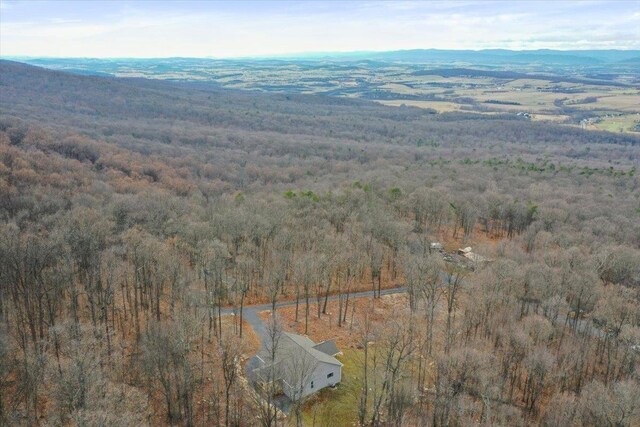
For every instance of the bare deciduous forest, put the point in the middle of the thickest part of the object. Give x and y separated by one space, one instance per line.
135 212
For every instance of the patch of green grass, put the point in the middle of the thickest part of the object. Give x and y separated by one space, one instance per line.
337 406
624 123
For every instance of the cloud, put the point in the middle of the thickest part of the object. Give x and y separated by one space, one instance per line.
157 29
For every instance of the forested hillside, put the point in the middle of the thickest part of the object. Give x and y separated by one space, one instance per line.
132 211
595 90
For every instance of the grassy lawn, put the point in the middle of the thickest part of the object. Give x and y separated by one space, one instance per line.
337 406
440 106
624 123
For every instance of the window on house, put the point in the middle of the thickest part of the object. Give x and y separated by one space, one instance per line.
330 375
311 384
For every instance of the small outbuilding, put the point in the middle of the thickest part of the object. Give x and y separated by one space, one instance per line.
436 246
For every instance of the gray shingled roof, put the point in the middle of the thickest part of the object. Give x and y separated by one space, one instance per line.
327 347
310 347
290 344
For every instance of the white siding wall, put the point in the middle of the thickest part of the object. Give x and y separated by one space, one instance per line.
320 380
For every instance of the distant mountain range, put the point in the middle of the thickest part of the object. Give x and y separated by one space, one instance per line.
489 56
419 56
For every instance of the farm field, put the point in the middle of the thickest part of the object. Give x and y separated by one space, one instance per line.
565 95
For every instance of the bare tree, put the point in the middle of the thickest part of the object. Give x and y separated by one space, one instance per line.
538 366
268 410
366 337
423 274
395 345
616 406
304 276
229 359
168 368
453 282
7 367
214 258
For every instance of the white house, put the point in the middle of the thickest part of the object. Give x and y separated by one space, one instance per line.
300 366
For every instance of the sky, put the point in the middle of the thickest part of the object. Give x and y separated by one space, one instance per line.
142 29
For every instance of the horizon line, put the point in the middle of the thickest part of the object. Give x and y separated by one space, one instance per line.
311 54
